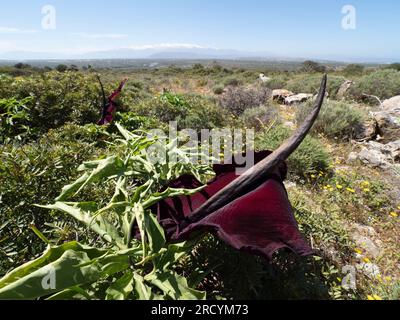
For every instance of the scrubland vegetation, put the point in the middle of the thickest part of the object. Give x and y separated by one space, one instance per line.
48 139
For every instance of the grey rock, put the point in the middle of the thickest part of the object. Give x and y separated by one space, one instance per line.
367 244
264 78
392 104
298 98
349 280
364 230
373 158
366 131
371 270
280 95
353 157
343 89
388 118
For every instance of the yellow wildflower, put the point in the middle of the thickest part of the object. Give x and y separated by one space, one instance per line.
357 250
376 297
366 260
366 190
394 214
339 186
351 190
388 279
370 297
313 176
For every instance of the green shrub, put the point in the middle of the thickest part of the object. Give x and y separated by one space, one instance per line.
234 82
394 66
132 122
14 118
311 84
189 111
310 157
312 66
34 173
6 86
111 263
237 100
382 83
276 83
218 90
337 119
60 98
353 69
260 117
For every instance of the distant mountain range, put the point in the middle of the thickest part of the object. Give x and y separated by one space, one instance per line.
146 52
177 52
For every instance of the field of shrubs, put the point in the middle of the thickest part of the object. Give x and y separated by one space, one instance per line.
51 149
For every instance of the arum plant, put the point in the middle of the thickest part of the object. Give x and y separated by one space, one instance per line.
116 265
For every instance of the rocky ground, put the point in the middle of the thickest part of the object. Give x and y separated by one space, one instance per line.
374 234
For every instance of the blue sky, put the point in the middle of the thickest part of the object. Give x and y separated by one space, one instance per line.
309 28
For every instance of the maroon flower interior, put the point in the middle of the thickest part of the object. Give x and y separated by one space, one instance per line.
260 221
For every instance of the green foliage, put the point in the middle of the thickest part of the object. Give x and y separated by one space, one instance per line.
218 90
14 118
312 67
353 69
62 68
6 86
126 267
132 122
59 98
337 119
276 82
311 83
394 66
238 100
381 83
260 117
191 111
234 82
310 157
33 173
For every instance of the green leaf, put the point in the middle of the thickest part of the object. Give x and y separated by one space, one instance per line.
106 168
169 193
121 288
155 233
174 286
143 292
140 219
70 189
125 133
98 224
75 293
60 268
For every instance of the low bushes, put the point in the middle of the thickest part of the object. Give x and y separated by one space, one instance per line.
34 173
260 117
382 83
311 83
59 98
336 120
310 157
238 100
189 111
